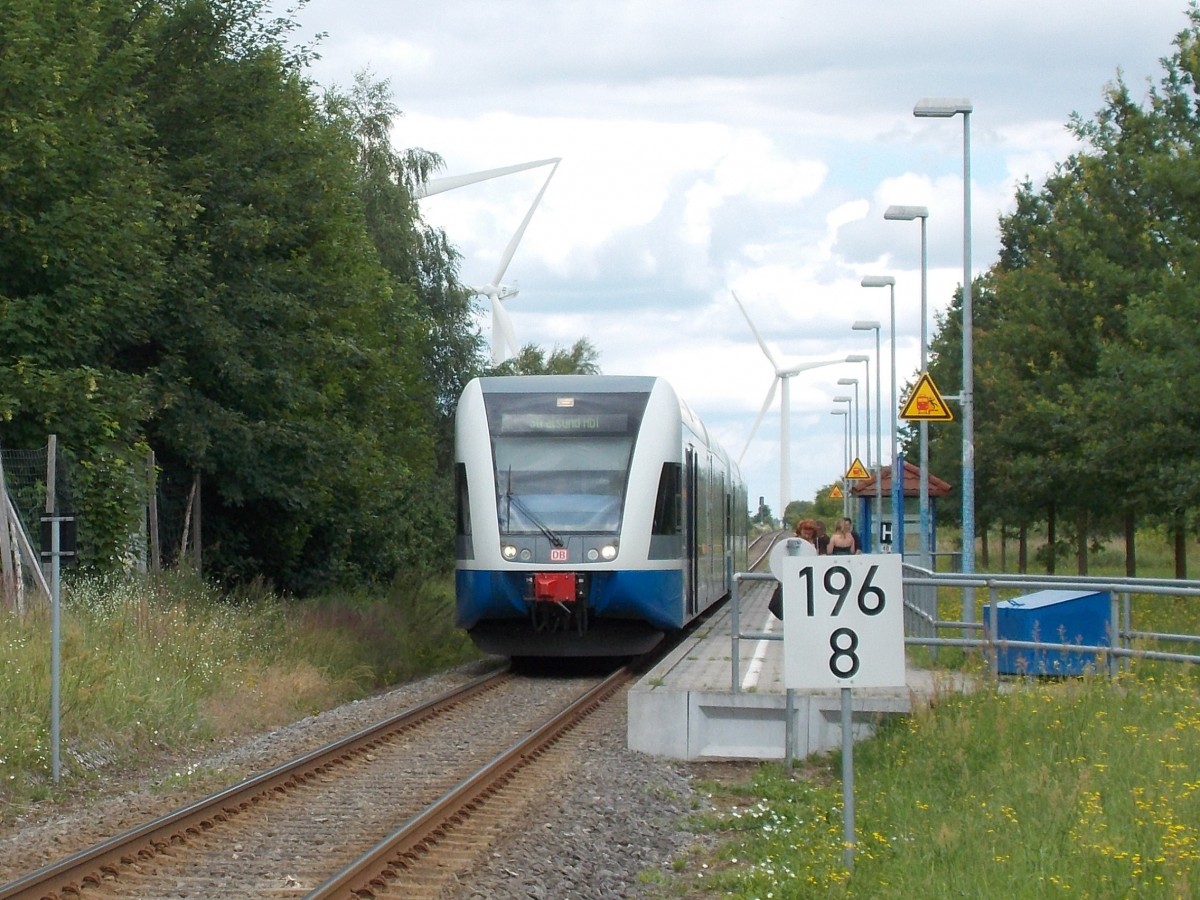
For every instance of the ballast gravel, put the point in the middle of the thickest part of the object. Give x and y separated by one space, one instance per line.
614 827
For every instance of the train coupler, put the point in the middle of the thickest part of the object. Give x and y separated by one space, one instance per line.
558 600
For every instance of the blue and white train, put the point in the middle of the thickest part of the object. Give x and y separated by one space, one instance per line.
594 515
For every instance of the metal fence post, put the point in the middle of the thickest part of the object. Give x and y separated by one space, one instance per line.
736 625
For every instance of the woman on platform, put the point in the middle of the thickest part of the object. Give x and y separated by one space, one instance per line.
841 542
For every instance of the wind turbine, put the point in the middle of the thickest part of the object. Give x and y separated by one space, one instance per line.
503 334
782 377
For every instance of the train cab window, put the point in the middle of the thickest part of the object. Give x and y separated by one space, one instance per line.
562 467
667 519
568 484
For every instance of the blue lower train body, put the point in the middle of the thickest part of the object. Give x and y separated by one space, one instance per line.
628 612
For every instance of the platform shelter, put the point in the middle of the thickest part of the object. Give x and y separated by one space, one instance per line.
903 530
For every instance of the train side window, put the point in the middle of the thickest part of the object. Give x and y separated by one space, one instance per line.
462 504
667 507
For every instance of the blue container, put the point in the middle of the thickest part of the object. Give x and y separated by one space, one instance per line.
1082 618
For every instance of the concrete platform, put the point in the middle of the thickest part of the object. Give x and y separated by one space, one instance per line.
686 707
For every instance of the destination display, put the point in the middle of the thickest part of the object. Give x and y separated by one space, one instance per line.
564 423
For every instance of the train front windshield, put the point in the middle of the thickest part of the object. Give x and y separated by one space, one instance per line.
562 462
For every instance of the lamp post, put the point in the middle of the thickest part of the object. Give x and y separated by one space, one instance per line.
846 382
864 358
872 325
945 108
846 464
897 480
908 213
845 448
849 401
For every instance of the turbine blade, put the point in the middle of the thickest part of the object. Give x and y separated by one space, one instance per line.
762 412
511 249
758 337
804 367
440 185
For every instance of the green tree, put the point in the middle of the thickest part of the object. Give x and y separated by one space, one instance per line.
1075 375
422 265
825 506
1146 379
273 330
84 236
580 359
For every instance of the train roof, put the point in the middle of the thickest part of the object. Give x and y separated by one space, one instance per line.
603 384
598 384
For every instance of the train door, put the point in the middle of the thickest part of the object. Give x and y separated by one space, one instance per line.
708 530
691 554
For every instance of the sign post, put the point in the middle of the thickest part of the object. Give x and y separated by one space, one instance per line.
843 627
57 542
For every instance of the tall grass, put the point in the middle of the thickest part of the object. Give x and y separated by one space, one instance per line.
1079 788
151 665
1083 787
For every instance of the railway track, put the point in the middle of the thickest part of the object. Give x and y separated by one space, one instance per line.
397 809
760 548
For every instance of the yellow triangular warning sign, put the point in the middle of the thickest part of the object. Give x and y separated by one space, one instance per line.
857 471
836 493
925 403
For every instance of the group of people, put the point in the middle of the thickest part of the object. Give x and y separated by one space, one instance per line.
843 542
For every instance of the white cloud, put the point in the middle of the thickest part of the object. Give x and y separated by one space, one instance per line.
709 146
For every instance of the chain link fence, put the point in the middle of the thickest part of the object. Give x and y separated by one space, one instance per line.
38 482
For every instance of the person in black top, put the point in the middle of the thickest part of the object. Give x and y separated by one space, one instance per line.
854 534
822 538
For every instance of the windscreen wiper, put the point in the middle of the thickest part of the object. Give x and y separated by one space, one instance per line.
513 500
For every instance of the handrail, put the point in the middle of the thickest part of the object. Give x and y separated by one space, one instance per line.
983 635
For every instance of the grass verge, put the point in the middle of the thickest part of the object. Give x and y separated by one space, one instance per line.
151 665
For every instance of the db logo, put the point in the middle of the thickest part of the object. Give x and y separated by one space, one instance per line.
558 554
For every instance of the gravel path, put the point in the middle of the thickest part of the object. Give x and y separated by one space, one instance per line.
611 829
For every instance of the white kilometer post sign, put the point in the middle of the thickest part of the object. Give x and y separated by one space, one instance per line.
843 627
843 618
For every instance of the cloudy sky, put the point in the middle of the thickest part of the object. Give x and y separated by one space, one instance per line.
713 147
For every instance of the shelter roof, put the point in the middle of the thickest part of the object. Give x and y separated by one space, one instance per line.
912 484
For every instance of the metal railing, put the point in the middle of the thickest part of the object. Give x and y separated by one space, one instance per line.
923 627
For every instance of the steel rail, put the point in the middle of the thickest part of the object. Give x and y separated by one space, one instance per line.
68 876
772 538
370 873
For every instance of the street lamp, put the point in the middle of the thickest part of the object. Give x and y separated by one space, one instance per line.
845 382
845 448
850 429
945 108
897 482
848 400
862 325
908 213
864 358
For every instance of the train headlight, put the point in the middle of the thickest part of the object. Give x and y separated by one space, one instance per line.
508 551
609 551
593 555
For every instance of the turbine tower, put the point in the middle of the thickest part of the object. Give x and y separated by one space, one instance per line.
503 335
782 378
